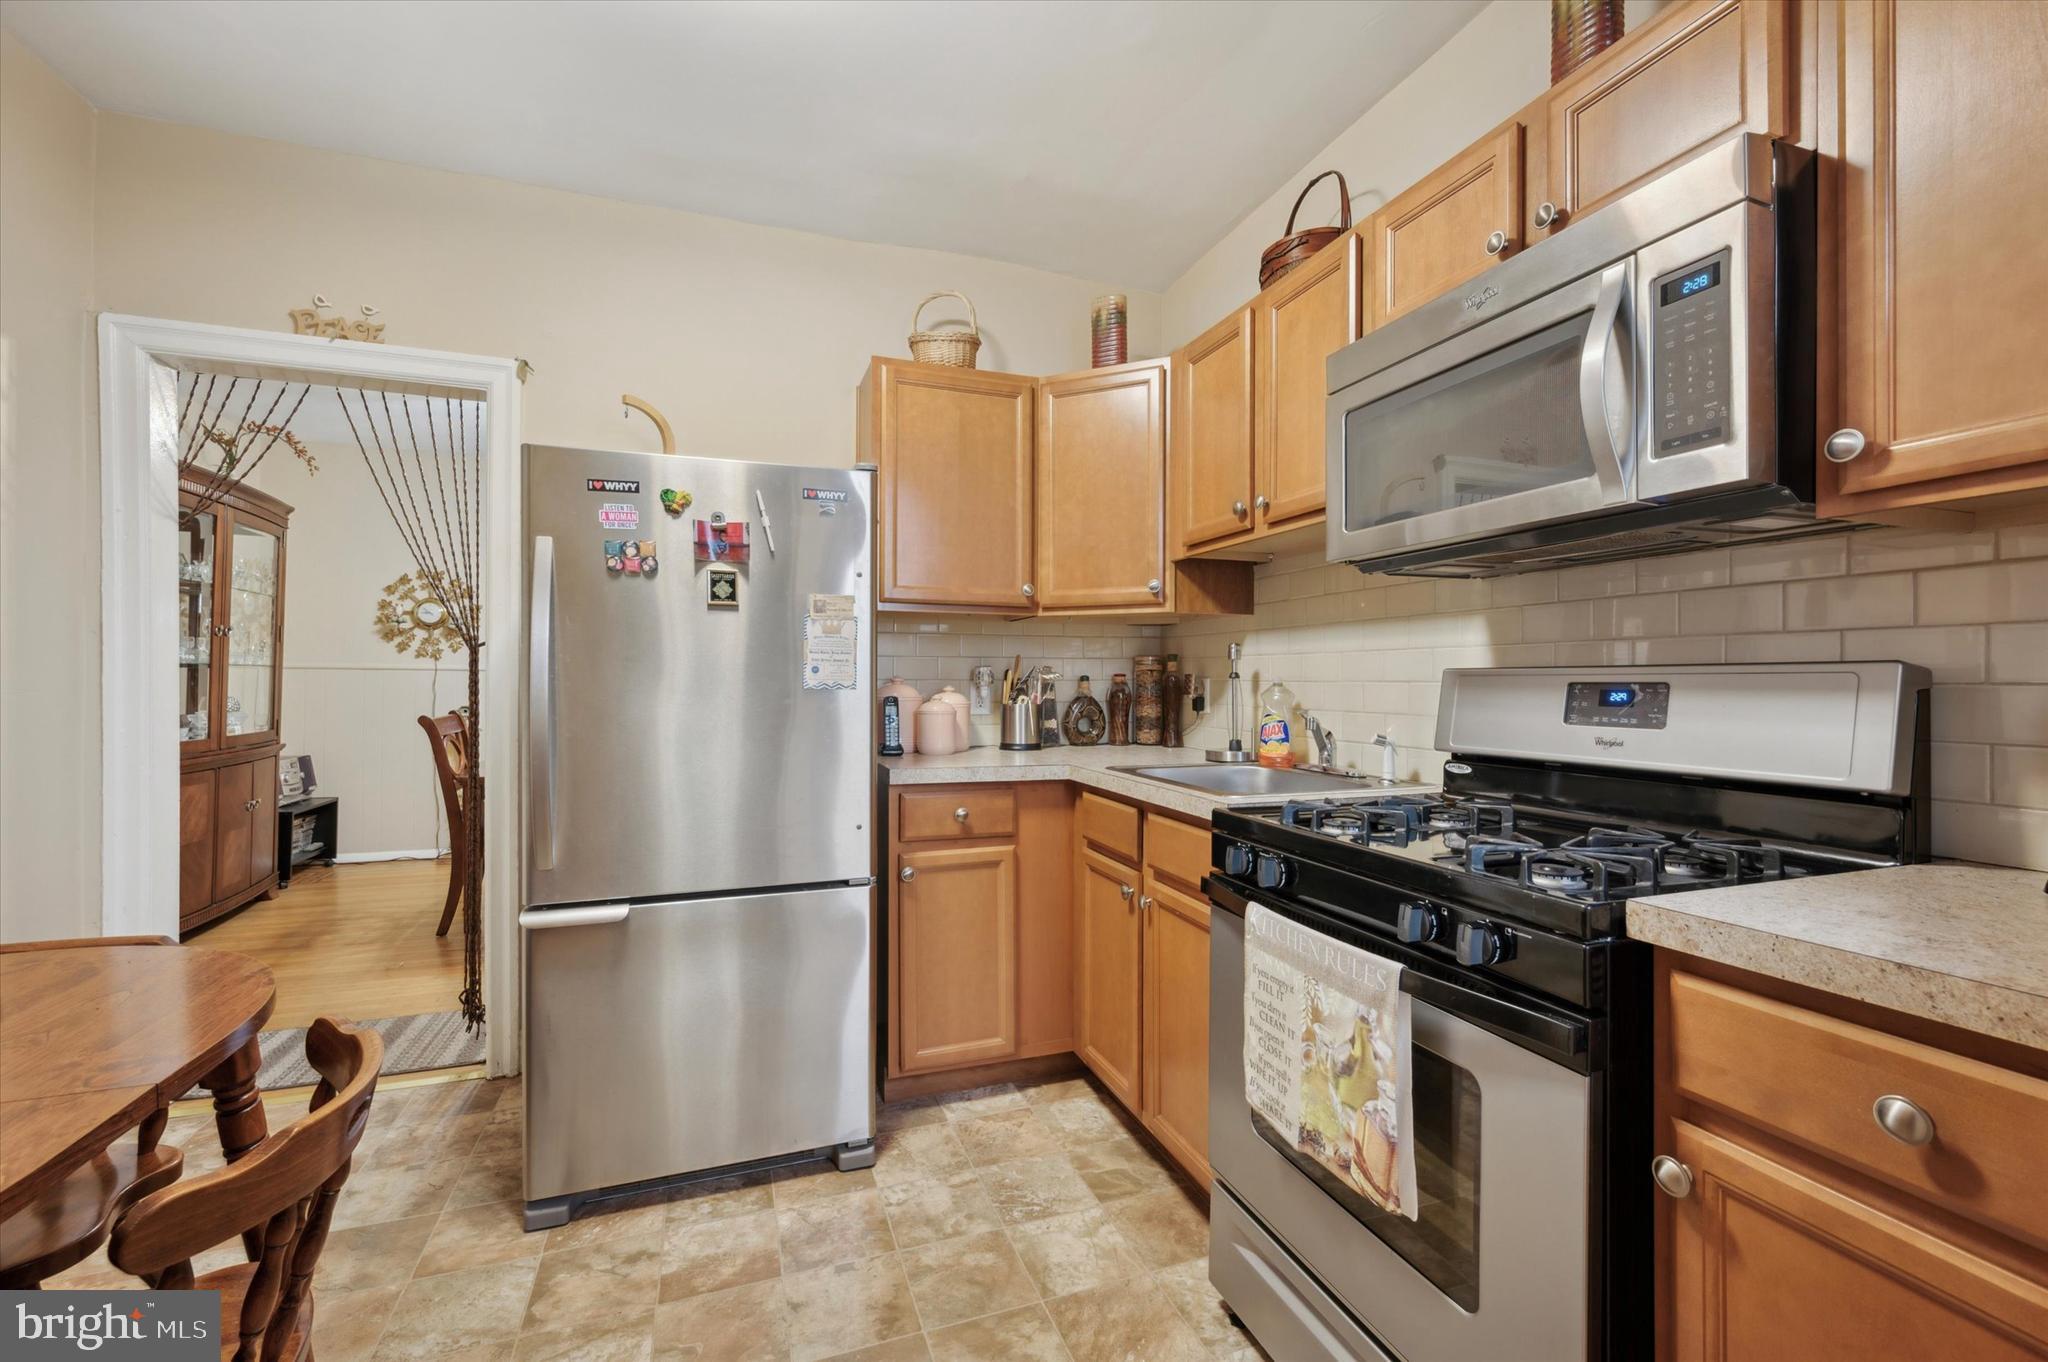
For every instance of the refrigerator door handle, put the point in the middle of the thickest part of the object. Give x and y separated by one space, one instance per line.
540 707
596 915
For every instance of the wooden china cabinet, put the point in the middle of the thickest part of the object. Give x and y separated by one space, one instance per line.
230 646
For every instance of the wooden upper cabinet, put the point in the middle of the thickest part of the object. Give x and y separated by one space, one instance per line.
1301 319
1769 1263
954 496
956 977
1699 72
1212 432
1449 226
1937 116
1102 487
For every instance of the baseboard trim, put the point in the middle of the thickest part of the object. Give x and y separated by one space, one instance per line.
362 857
1041 1069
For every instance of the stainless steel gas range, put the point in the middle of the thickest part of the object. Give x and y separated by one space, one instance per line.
1569 792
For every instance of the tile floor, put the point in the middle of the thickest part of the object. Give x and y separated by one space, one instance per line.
1011 1222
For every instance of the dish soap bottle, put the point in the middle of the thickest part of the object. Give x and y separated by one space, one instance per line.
1276 726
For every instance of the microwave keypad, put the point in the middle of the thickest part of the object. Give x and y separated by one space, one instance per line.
1691 365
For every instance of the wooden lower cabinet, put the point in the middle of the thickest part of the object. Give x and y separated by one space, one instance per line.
1109 974
227 837
957 946
1793 1224
195 843
1176 1058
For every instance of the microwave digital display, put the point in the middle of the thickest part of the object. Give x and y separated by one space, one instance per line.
1694 281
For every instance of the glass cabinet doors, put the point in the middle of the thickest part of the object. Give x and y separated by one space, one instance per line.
196 631
230 612
252 586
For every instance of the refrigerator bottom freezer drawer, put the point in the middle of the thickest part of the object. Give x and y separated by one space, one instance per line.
696 1034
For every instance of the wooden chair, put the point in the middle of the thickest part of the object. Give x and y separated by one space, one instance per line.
448 736
67 1225
284 1189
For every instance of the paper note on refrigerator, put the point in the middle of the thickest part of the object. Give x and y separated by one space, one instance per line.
831 659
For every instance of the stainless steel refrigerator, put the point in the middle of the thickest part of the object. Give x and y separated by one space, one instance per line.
697 788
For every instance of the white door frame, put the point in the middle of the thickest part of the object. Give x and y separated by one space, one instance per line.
139 568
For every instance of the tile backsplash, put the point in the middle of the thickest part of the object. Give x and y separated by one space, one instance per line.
930 651
1364 654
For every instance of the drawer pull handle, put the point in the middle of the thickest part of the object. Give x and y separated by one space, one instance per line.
960 814
1903 1120
1673 1178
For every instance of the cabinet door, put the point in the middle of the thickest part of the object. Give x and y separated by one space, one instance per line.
955 493
263 821
1437 234
199 636
1302 319
1698 73
1944 283
1767 1263
1212 432
1177 1024
195 841
1101 453
1110 982
956 956
233 823
252 595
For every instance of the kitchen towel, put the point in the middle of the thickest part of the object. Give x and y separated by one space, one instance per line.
1328 1055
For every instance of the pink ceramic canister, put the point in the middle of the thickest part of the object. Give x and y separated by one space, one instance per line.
938 728
907 701
960 704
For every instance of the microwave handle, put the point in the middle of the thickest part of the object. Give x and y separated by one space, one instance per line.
1607 343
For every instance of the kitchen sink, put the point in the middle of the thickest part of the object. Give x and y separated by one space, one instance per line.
1248 779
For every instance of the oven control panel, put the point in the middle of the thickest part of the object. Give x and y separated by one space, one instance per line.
1617 704
1690 368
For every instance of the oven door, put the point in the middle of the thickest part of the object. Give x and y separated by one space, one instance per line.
1522 420
1499 1262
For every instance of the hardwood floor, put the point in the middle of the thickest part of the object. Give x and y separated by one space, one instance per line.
353 941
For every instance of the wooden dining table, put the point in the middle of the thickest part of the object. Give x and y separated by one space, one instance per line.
95 1040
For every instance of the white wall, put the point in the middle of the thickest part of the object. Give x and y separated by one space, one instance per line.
49 502
1490 68
351 701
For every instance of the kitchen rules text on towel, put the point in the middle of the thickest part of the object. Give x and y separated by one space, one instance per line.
1328 1057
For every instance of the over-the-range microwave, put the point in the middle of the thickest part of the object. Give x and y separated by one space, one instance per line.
1640 383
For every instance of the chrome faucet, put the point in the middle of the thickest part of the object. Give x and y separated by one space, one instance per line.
1325 741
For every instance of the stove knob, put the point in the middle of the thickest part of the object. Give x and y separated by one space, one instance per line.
1237 860
1274 873
1482 943
1417 921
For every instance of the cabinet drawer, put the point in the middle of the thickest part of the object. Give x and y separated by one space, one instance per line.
1177 852
1110 827
1814 1079
956 813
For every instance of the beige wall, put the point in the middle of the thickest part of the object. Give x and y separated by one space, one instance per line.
750 339
1490 68
49 502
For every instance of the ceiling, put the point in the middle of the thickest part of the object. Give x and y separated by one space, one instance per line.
1112 141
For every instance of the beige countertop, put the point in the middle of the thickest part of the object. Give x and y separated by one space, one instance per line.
1089 767
1956 943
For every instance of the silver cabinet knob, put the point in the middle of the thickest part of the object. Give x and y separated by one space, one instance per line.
1153 586
1844 445
1673 1178
1029 591
1237 508
1125 890
1145 902
1546 213
960 814
909 874
1903 1120
1260 503
1496 243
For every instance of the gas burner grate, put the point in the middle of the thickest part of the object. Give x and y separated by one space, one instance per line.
1498 855
1587 873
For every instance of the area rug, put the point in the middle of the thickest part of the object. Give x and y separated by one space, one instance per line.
427 1040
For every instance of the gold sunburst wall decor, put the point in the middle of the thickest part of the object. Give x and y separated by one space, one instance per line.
412 616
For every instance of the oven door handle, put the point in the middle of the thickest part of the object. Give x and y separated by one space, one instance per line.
1608 344
1564 1037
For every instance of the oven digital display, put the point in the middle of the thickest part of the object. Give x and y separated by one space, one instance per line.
1697 281
1617 704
